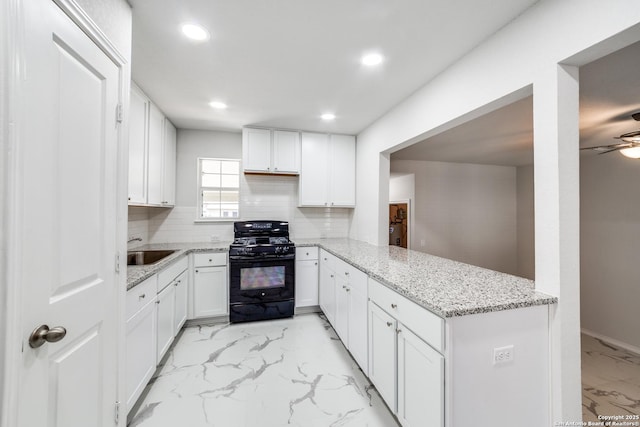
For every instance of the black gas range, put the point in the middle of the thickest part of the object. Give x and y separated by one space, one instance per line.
261 271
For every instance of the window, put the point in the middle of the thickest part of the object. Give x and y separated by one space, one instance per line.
218 189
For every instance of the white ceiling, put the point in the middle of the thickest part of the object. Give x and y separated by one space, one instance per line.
282 63
609 94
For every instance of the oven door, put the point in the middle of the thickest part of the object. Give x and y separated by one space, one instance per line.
261 279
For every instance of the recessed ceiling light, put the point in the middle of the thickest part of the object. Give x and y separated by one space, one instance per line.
328 116
195 32
218 105
371 59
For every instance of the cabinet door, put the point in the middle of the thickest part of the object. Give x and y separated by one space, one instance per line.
313 185
341 316
358 320
382 354
306 283
164 312
155 151
138 120
342 175
169 165
256 150
180 315
286 152
210 292
327 293
140 351
420 381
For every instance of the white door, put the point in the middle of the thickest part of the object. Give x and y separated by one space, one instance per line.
169 165
155 150
314 167
286 151
343 171
382 354
181 301
210 292
358 305
138 121
165 311
67 226
327 293
420 381
306 283
256 150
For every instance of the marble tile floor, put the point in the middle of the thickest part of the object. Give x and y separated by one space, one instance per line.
288 372
610 380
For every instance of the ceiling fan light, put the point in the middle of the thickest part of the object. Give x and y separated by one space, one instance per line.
631 152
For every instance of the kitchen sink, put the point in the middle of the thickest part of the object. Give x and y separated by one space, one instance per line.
146 257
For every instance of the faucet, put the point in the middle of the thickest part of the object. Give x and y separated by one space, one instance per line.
139 239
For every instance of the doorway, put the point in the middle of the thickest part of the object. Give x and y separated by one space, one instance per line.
399 224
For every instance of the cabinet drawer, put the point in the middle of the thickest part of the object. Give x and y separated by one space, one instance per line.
421 321
172 271
306 253
209 259
327 260
138 297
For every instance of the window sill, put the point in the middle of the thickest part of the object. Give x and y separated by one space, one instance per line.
214 221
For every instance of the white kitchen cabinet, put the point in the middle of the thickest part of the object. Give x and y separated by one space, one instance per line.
327 287
210 292
152 153
169 164
358 318
138 120
327 170
407 371
155 155
306 277
270 151
382 354
165 314
420 381
181 301
140 338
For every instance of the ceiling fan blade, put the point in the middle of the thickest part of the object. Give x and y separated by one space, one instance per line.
610 150
618 146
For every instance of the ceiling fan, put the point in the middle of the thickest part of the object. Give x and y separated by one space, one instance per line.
629 147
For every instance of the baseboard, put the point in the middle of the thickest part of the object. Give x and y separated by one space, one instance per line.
207 321
612 341
306 310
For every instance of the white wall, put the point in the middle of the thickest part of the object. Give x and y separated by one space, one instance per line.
262 197
521 58
609 246
465 212
525 222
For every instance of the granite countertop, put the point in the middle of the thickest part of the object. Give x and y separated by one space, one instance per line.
445 287
138 273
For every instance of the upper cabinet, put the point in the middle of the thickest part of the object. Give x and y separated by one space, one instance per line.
327 170
152 153
270 151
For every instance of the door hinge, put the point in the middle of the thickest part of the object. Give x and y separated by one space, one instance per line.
117 412
117 262
119 113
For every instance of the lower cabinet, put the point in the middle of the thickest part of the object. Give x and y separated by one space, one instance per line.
420 381
181 300
210 292
165 313
141 338
343 299
406 370
327 287
306 277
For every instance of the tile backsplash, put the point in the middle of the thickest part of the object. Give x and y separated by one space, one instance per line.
262 197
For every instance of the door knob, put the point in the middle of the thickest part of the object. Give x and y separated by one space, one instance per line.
43 334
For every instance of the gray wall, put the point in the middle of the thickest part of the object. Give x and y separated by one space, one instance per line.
526 222
610 246
465 212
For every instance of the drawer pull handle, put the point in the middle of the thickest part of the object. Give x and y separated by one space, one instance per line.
398 331
346 273
348 289
315 263
210 260
142 296
344 286
307 253
389 324
394 305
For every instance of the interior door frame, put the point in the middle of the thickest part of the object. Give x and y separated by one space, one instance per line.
12 14
409 217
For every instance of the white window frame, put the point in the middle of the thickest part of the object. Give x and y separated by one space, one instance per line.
200 189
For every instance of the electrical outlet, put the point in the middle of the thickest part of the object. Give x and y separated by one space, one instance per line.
503 355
